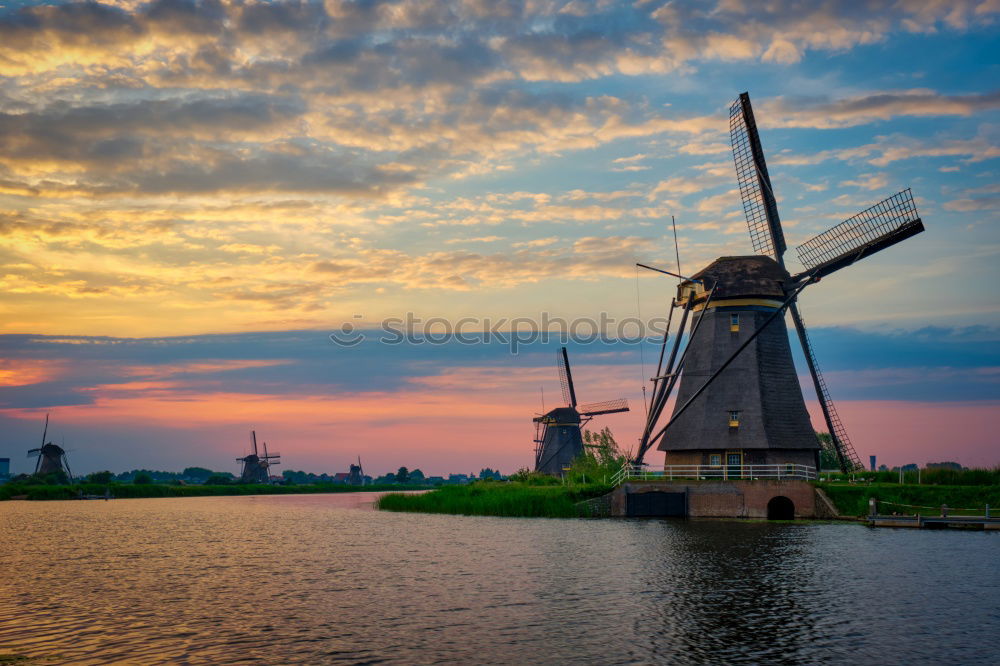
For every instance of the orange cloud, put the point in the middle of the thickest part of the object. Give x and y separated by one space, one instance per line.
24 372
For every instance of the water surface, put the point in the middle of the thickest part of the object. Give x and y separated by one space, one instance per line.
322 579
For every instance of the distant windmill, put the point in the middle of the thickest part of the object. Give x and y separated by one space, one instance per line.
50 458
356 477
558 439
739 400
256 467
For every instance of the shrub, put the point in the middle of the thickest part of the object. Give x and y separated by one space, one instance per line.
100 477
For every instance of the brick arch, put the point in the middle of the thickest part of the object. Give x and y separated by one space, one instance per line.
780 508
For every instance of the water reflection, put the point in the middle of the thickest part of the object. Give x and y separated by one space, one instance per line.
312 579
737 591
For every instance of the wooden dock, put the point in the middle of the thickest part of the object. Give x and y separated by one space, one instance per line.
937 522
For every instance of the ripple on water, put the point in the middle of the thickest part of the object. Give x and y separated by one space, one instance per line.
312 579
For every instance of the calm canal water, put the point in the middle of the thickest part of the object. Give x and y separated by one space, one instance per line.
324 579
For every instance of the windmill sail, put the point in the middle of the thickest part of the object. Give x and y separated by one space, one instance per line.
874 229
759 205
65 465
847 457
566 378
606 407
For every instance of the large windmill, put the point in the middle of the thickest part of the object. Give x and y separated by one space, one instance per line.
739 401
256 467
50 457
558 439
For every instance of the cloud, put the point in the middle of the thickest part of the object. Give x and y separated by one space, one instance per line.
896 147
202 164
480 239
868 181
718 203
974 204
538 242
861 364
101 137
825 113
634 158
901 148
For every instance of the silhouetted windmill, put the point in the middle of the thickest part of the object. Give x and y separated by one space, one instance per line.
256 467
558 439
50 458
739 400
356 477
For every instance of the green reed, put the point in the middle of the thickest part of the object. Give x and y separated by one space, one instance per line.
498 499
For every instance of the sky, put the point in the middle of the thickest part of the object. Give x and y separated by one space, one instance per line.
195 195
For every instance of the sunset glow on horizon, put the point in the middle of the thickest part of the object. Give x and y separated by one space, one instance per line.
195 193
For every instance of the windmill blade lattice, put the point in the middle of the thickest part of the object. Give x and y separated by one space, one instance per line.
565 378
605 407
847 457
759 205
886 223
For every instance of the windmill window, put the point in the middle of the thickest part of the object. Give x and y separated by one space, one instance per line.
734 418
734 323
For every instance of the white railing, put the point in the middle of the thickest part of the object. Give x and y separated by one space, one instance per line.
714 472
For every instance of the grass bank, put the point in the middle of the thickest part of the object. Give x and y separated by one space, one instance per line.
929 476
498 499
127 490
852 500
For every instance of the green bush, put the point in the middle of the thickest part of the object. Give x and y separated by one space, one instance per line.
100 477
529 478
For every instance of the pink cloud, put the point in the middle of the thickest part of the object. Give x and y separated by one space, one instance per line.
459 421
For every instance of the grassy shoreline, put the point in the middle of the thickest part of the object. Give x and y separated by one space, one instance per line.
526 500
852 500
512 500
533 501
135 491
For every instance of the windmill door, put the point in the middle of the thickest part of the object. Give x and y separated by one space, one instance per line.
734 465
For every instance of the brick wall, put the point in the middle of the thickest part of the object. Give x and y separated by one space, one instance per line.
725 499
